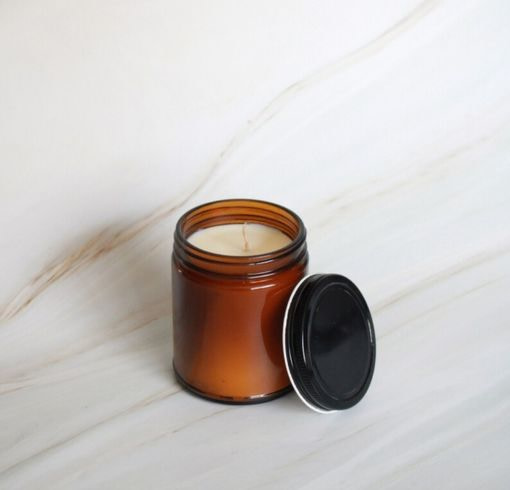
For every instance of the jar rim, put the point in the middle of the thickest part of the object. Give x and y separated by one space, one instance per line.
181 238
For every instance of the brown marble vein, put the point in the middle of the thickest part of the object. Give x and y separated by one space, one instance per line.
84 469
99 245
182 427
281 100
393 183
459 268
369 49
439 306
132 322
137 406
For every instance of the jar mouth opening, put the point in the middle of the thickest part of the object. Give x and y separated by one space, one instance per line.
234 211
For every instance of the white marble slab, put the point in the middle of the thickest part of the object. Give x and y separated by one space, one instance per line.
385 125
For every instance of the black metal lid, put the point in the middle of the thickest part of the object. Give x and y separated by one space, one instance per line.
328 342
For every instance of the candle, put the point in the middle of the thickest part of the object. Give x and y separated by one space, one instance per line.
239 239
235 263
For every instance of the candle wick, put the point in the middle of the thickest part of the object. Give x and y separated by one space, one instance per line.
245 238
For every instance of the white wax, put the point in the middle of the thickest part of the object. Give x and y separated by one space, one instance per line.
230 239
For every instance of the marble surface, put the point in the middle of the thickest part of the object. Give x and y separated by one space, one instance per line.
385 125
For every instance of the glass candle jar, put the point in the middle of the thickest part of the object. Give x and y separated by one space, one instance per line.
228 309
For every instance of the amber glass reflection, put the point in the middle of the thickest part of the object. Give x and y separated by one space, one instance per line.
228 310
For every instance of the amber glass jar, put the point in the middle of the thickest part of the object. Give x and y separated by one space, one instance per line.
228 310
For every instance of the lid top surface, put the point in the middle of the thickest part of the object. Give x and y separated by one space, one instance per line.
329 342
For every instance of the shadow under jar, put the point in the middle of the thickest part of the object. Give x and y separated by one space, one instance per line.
228 310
